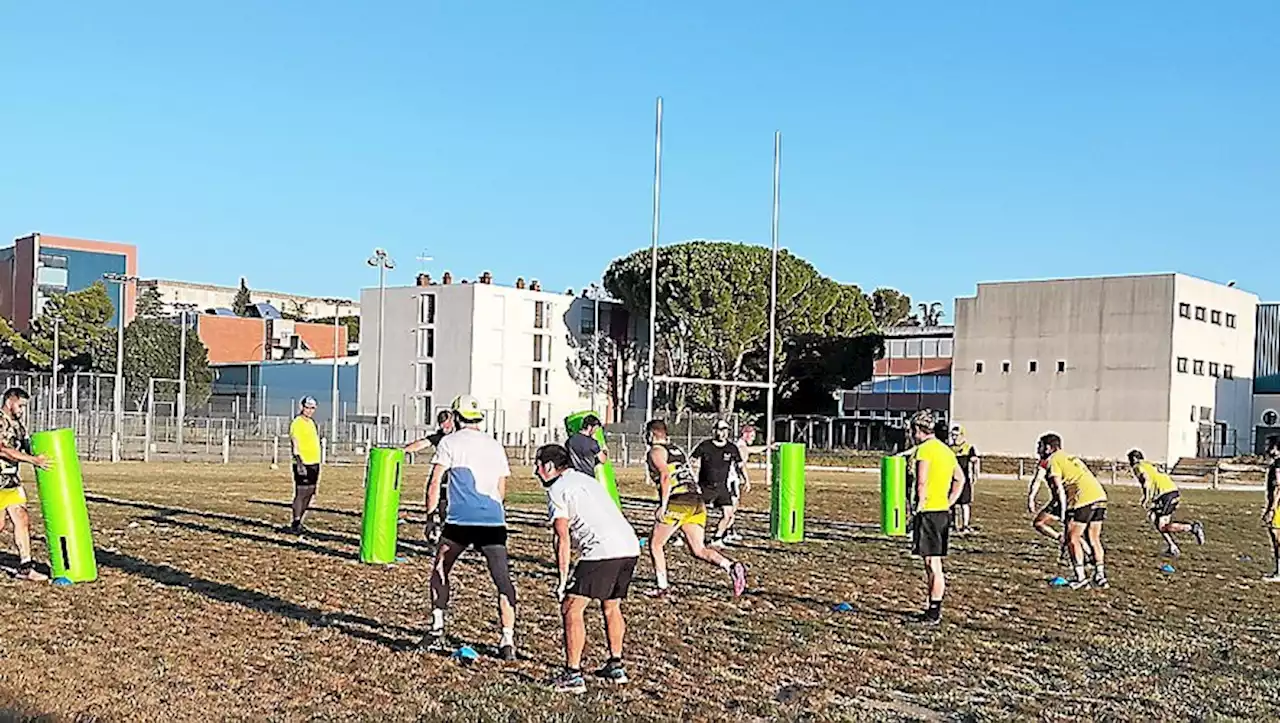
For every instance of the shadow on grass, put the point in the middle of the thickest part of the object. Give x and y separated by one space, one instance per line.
355 626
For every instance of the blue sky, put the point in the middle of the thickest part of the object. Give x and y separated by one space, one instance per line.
927 145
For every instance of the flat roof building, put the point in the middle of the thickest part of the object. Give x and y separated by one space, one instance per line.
38 266
1160 362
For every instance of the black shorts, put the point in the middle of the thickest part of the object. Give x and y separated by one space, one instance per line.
931 531
1166 504
602 579
966 494
1095 512
476 536
306 475
1053 509
719 496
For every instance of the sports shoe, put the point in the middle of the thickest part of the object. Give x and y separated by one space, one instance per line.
570 681
738 573
1078 584
734 537
1101 583
1197 529
1272 578
718 542
508 653
614 672
434 641
1173 552
925 619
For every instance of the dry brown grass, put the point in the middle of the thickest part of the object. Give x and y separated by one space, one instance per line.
205 610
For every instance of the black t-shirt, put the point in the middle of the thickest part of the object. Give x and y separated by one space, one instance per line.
584 452
716 462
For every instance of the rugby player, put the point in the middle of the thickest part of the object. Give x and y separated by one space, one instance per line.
1084 502
719 467
1160 498
1271 515
967 457
15 448
938 481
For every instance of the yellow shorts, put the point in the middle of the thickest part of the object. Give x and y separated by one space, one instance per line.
12 496
680 514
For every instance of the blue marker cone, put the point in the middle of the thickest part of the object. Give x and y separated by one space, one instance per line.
843 607
1166 568
1058 581
61 581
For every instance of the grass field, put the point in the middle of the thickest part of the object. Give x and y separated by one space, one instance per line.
206 610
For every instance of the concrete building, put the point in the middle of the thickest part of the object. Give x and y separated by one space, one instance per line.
1266 376
206 297
274 388
507 346
239 340
1160 362
914 374
38 265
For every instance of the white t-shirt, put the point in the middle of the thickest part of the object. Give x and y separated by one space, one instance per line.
597 528
475 462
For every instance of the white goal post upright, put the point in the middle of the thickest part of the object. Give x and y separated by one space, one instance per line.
769 385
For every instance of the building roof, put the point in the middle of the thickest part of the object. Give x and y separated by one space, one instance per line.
904 332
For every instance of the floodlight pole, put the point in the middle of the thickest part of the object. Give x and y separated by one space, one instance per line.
182 371
117 400
773 301
653 269
383 262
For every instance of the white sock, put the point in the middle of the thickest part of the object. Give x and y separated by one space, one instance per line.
508 637
726 565
1100 571
662 580
437 619
1080 573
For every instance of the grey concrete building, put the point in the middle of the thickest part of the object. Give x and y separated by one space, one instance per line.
1160 362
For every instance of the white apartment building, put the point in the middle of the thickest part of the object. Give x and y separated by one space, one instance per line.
1159 362
509 347
208 296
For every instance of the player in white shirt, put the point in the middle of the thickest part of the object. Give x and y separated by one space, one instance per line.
476 517
584 518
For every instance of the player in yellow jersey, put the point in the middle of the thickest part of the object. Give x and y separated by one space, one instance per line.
1160 498
304 438
1084 505
1271 515
939 482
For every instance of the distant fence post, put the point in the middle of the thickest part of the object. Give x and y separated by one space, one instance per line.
1217 470
275 450
1021 469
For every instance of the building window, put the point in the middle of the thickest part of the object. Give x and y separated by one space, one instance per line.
425 377
914 348
426 343
946 348
1206 414
897 349
1213 369
537 380
539 315
427 418
1005 366
1182 364
1200 311
1197 367
944 383
1215 317
978 367
911 384
427 309
1231 321
929 349
1270 418
1184 310
896 384
928 384
537 347
51 274
1228 371
535 414
588 326
1193 412
1033 366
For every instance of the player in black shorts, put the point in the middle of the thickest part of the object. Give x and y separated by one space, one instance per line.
967 457
435 518
719 466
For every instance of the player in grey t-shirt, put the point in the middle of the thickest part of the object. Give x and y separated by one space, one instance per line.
584 451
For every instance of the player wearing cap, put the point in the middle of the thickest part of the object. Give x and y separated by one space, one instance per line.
435 517
719 467
1084 503
1271 514
1160 498
15 448
584 518
967 457
304 438
938 481
680 507
476 517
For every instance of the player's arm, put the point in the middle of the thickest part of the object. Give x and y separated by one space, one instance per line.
417 445
1059 491
957 486
975 467
502 488
1142 485
17 455
561 527
433 486
1033 490
602 453
740 465
658 458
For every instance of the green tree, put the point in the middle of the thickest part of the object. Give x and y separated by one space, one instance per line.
890 307
713 311
351 322
240 305
149 304
930 313
82 318
151 352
